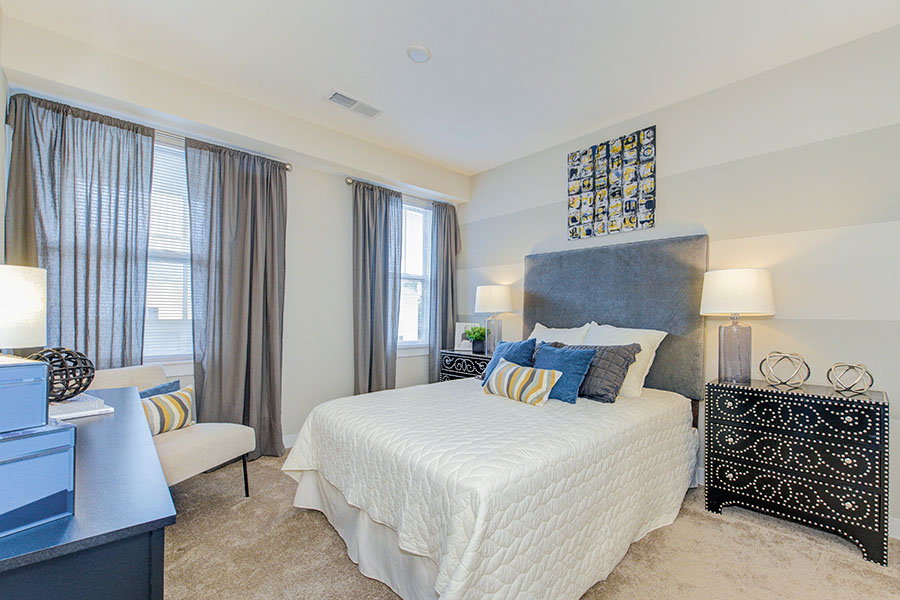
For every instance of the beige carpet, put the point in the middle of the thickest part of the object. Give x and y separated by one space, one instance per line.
225 546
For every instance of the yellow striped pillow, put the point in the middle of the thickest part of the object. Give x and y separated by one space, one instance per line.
525 384
167 412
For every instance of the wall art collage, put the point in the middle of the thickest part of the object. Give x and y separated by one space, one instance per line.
612 186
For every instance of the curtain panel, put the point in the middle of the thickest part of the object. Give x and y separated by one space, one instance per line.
78 205
445 245
377 252
238 207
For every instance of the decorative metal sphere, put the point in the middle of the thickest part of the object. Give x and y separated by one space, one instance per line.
794 373
849 377
70 372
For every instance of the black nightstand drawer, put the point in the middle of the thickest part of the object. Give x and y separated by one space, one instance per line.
839 462
799 498
834 417
458 364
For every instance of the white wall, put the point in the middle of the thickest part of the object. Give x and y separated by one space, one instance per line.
318 333
794 169
38 58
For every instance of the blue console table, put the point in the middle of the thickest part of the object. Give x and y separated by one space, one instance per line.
113 546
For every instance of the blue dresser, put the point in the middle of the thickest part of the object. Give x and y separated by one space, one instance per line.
37 457
37 471
23 393
112 547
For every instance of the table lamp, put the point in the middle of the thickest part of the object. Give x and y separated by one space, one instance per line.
23 307
493 299
736 293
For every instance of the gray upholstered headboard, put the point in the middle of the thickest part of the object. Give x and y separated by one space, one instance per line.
654 284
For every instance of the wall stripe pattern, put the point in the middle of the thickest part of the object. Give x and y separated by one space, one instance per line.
791 170
167 412
524 384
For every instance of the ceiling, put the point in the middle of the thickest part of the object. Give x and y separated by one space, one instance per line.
507 77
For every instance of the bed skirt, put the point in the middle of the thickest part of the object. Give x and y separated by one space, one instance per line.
371 545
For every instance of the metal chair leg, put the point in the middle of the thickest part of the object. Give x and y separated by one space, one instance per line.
246 481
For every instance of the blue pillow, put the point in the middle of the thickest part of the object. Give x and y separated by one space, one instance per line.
163 388
574 365
521 353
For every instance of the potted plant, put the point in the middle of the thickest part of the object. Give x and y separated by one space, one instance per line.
477 335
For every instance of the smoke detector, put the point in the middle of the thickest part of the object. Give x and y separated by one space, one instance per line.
350 103
418 53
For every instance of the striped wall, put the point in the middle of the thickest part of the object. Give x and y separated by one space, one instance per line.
796 170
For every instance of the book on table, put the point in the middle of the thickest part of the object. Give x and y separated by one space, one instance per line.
82 405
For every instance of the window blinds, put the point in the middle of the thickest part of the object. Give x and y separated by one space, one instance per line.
167 325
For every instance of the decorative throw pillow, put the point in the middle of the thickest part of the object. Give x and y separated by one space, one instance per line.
574 365
607 371
524 384
163 388
521 353
566 335
649 339
167 412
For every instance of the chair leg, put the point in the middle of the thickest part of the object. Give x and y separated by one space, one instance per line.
246 481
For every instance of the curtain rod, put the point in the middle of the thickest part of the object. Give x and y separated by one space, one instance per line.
350 180
287 166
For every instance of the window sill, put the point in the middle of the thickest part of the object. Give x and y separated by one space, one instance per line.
412 350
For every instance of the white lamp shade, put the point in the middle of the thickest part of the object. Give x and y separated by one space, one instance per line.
745 292
23 307
493 299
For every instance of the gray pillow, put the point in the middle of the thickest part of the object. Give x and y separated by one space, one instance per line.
607 371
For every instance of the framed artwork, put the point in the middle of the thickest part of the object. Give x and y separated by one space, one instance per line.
462 343
612 186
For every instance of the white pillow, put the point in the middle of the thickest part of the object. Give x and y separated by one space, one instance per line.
571 336
649 339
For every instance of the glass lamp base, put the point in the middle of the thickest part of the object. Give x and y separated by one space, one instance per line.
494 328
734 352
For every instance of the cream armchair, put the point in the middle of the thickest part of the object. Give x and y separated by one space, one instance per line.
192 450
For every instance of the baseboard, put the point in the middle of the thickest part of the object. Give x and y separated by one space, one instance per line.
290 439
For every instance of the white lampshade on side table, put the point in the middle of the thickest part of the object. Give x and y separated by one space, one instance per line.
23 307
493 299
733 293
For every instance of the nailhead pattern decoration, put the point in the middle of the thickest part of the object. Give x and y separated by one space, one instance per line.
457 364
806 454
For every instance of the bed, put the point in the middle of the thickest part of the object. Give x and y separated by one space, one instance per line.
443 491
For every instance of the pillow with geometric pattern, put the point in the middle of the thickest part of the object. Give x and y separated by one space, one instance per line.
168 412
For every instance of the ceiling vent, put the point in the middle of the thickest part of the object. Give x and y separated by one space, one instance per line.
345 101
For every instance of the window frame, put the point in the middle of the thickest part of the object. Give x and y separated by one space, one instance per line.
181 257
419 346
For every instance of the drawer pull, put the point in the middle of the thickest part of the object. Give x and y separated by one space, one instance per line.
848 461
729 439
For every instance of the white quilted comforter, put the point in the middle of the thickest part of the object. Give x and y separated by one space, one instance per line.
509 500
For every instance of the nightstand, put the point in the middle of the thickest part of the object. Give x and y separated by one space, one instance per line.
459 364
809 455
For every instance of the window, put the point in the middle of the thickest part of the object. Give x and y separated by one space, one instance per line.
415 272
168 334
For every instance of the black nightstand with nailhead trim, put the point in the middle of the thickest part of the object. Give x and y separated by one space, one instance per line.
459 364
809 455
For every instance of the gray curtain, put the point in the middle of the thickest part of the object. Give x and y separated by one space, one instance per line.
78 205
377 247
445 245
238 210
